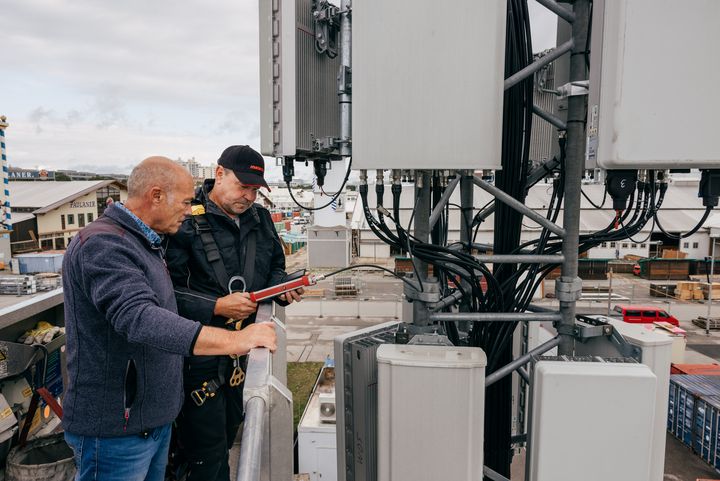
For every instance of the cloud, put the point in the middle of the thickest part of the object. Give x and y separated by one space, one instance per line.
104 84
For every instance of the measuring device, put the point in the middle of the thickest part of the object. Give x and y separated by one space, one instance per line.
293 281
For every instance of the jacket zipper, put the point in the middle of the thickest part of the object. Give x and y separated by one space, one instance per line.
127 402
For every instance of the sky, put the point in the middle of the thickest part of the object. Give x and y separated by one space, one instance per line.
98 85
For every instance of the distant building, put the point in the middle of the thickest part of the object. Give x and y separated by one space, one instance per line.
46 215
283 201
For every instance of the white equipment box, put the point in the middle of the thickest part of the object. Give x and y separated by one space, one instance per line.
657 349
427 84
590 421
431 403
654 98
316 444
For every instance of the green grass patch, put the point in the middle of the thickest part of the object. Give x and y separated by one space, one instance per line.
301 379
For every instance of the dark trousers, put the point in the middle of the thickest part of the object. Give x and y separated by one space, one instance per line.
207 432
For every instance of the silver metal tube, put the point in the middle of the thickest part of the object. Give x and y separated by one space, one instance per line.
545 115
446 301
494 476
554 54
521 258
252 439
519 206
521 361
421 230
574 167
535 175
710 287
557 9
466 204
523 374
495 316
437 211
345 97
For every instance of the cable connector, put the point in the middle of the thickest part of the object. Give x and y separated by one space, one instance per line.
620 185
288 169
710 187
320 167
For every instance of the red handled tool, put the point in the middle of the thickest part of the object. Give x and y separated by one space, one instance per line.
283 287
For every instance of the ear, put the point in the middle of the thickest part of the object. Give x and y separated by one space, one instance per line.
156 194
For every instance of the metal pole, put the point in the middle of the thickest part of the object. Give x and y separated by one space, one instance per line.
534 177
466 234
610 277
710 287
515 204
421 230
521 361
496 316
550 118
344 93
466 206
521 258
251 447
551 56
569 287
437 211
5 221
493 475
560 11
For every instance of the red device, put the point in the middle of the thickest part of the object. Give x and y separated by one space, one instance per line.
283 287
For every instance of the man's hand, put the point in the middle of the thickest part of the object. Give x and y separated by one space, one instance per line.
214 341
257 335
291 296
236 306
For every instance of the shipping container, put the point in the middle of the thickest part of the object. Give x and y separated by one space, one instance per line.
694 414
696 369
34 263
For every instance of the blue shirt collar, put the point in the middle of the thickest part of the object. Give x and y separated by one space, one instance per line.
150 234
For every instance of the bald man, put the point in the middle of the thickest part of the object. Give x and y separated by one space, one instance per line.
125 341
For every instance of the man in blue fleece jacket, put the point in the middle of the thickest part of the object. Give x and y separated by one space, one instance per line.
125 342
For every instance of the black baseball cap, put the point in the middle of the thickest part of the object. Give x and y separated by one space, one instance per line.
247 164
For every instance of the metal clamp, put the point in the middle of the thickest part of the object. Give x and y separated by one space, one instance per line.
586 328
430 290
326 20
573 88
568 290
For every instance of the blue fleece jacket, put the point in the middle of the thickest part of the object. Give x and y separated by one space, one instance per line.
125 342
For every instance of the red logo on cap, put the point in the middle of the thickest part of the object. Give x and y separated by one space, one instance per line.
257 167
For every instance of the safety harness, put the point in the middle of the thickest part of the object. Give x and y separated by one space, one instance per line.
212 253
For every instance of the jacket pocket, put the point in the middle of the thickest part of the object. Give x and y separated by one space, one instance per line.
130 390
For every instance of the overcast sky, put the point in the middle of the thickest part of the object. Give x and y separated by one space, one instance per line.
100 84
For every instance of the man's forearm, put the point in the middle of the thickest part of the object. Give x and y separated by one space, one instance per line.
213 341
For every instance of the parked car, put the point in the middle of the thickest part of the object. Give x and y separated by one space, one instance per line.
636 269
645 315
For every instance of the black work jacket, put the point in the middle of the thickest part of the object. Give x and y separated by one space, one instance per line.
196 286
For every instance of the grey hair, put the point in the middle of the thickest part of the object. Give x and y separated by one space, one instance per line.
151 172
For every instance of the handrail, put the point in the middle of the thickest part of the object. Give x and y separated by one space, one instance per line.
266 451
257 378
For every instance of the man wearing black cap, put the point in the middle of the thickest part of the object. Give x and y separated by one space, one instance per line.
228 235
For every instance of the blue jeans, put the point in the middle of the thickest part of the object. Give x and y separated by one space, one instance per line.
125 458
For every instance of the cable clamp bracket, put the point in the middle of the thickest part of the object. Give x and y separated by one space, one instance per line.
568 289
573 89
